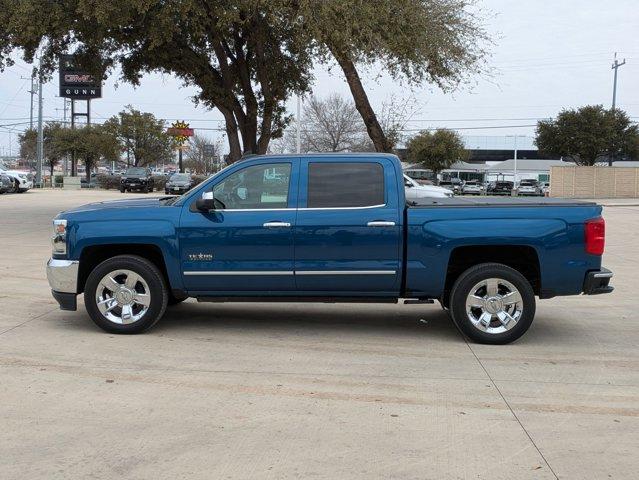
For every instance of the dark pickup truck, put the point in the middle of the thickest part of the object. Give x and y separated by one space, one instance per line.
326 228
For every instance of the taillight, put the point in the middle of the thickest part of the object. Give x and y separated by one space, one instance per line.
595 236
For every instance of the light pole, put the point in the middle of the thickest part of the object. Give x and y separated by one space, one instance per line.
514 190
299 126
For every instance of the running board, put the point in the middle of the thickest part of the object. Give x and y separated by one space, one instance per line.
275 299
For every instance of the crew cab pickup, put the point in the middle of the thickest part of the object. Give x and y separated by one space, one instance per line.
326 228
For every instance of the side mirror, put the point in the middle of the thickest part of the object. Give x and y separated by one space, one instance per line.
408 184
205 204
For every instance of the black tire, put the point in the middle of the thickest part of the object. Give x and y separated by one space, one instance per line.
122 190
151 275
16 186
471 277
145 190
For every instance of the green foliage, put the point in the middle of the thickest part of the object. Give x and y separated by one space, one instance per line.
438 150
246 57
141 136
587 134
29 145
91 144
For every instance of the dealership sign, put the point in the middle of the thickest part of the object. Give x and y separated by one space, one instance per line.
76 83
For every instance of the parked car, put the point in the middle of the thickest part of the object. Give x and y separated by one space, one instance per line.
6 185
326 238
89 184
530 187
415 191
137 179
500 188
22 181
473 187
453 184
178 183
421 176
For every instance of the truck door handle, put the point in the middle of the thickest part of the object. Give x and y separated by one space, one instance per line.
276 225
379 223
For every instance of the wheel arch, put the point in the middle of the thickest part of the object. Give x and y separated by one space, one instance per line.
522 258
92 256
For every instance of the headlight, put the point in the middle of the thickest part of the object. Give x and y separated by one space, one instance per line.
59 239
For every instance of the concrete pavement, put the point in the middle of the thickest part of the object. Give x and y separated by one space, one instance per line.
269 391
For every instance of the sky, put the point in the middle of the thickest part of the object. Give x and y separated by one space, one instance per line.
547 55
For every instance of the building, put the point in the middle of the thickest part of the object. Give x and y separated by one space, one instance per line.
529 169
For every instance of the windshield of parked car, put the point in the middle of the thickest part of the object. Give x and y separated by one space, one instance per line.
180 177
136 171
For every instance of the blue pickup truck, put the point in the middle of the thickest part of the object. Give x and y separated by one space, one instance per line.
326 228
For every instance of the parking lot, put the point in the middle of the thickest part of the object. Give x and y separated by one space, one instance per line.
239 391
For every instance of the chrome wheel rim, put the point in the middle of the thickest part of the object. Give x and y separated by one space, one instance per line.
123 297
494 305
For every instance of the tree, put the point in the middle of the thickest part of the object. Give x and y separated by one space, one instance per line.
438 150
588 134
248 57
29 145
245 57
90 143
435 41
331 125
203 156
142 137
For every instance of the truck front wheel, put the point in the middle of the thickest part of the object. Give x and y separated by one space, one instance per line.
492 303
125 294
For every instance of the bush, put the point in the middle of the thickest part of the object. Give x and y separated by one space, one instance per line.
108 182
58 179
160 182
197 179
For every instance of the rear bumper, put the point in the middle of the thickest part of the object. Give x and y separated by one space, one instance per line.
598 282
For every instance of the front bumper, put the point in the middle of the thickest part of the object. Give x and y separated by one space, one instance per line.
597 282
63 280
25 184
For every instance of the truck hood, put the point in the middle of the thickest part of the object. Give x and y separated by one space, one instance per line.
153 202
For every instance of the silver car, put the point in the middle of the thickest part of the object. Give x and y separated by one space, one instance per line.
530 187
473 187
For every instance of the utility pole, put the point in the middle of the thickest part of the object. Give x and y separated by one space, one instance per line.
615 67
40 129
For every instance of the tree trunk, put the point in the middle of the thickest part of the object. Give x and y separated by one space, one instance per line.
235 152
362 103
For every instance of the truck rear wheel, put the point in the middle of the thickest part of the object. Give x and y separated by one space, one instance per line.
492 303
125 294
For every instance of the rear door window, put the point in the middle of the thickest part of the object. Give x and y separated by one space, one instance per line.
343 184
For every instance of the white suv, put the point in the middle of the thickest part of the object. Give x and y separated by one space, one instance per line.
21 180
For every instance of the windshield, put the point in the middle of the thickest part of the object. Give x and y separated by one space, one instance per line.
179 177
136 171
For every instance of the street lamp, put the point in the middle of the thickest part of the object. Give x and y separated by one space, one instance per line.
514 191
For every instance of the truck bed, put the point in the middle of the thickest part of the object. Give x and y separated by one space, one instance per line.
497 202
